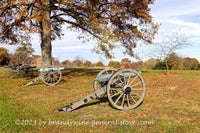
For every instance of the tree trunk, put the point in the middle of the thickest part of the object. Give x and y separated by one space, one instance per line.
46 47
167 66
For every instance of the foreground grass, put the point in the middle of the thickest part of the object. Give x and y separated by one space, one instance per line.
171 104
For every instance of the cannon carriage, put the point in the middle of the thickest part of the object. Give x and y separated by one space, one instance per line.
19 70
12 68
50 75
125 89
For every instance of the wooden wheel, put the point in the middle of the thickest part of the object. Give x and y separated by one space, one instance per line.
14 70
126 89
51 75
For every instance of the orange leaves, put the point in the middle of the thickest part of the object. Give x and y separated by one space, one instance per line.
71 6
110 22
4 3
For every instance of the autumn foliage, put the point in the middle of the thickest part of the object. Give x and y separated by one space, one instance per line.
107 21
4 56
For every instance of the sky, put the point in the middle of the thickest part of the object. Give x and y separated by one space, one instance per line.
171 14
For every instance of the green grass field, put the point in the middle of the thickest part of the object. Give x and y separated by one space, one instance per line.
171 104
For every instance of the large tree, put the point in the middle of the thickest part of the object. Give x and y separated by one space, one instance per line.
107 21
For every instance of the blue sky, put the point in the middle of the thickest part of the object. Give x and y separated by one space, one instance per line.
172 14
180 14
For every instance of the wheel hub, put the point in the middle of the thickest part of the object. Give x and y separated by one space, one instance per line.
51 75
127 89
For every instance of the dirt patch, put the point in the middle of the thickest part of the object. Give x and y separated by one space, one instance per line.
172 88
86 117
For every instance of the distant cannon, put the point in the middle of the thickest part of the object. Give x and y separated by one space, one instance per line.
12 68
125 89
20 70
49 75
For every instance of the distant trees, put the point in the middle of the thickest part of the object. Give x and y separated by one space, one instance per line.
125 60
169 44
125 63
177 63
150 63
77 63
190 63
99 64
126 66
136 65
4 56
87 63
160 65
114 64
22 53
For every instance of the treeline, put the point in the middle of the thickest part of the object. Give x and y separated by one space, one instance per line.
125 63
174 61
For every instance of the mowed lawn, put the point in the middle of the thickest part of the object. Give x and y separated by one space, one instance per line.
171 104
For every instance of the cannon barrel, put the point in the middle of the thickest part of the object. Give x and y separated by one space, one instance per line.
28 67
13 66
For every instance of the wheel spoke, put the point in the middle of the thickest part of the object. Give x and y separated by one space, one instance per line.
132 98
113 89
127 101
57 74
137 89
120 80
119 98
133 80
53 80
118 85
129 77
123 100
124 79
48 80
135 94
116 94
136 84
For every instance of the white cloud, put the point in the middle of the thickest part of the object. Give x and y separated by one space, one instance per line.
188 27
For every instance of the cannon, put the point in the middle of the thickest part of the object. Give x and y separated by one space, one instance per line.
124 88
20 70
12 68
49 75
